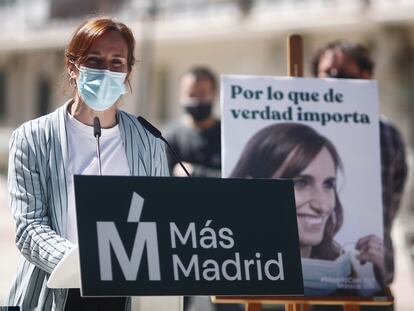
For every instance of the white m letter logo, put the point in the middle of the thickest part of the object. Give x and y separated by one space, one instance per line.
146 236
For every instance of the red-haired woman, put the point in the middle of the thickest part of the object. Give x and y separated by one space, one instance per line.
46 152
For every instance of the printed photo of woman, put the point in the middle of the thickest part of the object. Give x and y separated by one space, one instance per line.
298 152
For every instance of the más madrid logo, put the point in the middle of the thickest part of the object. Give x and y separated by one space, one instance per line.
146 236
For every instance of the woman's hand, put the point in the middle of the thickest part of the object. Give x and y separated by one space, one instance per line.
371 249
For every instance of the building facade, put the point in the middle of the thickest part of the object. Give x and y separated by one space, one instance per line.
230 36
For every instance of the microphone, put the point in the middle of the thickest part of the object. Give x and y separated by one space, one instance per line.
97 134
157 133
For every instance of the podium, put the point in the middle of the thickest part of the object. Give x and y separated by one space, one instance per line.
165 236
169 237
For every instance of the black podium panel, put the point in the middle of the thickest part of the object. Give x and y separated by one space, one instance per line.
187 236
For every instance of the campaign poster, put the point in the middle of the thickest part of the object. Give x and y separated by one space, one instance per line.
324 135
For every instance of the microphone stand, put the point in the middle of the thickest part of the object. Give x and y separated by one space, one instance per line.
97 134
175 155
157 133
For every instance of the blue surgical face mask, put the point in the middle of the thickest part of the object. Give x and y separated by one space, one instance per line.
322 277
100 88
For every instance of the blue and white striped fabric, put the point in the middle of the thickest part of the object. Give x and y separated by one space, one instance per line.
37 182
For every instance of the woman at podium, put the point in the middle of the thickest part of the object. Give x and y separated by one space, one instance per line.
88 134
298 152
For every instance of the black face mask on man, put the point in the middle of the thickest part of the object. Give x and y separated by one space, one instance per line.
199 110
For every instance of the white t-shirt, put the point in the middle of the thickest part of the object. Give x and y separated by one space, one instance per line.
83 160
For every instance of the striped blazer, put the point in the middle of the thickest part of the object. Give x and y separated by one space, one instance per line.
37 184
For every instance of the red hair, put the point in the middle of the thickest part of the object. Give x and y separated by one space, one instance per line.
87 34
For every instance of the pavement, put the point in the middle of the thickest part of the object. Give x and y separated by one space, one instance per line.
403 286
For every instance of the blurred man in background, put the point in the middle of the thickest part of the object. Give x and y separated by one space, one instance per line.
197 140
196 137
342 59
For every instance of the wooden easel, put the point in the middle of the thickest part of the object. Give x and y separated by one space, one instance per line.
294 303
295 56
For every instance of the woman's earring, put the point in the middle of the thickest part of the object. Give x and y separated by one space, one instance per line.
72 82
